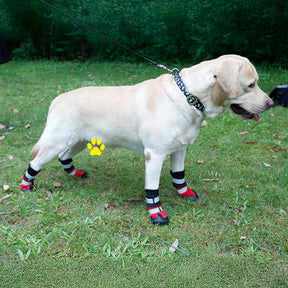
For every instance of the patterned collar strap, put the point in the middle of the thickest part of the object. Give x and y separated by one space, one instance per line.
192 100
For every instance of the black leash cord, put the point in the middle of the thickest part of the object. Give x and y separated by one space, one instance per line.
106 36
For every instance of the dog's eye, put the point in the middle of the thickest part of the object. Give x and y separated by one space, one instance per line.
252 85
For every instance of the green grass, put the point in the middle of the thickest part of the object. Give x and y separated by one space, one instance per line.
96 232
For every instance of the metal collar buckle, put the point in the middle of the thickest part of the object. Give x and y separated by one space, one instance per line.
192 100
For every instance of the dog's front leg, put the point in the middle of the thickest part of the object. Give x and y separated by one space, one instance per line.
178 176
153 167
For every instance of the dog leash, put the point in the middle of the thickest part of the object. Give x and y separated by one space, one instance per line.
105 36
191 99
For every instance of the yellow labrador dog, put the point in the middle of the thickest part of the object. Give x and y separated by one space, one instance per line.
158 117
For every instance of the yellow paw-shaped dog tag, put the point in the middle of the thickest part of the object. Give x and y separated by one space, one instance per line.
96 148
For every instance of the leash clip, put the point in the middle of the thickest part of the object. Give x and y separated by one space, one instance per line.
174 71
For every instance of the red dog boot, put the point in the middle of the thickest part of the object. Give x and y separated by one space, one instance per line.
27 184
187 193
180 184
154 206
77 173
71 170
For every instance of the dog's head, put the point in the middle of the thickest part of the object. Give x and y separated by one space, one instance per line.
237 80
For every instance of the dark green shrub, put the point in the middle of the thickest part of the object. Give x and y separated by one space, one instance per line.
159 29
254 28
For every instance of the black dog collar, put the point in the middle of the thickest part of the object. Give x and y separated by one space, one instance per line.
192 100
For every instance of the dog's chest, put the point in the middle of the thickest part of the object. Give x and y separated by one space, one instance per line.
183 137
189 136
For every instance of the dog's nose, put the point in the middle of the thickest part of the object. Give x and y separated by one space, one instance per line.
269 103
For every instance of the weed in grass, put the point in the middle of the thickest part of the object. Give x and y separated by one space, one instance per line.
136 247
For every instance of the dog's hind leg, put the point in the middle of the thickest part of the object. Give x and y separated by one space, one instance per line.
178 176
65 158
48 148
43 157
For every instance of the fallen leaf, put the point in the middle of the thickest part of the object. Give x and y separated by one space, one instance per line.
204 123
236 222
270 149
243 133
174 246
108 206
279 137
91 76
132 77
267 165
49 194
27 126
6 187
280 149
28 137
200 161
56 184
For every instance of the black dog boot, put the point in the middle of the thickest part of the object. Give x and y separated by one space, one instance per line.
159 218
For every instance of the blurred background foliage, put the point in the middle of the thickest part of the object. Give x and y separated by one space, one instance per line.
163 30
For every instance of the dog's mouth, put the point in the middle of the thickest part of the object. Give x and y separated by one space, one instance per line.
244 113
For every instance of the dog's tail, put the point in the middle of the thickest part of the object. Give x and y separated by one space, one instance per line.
35 149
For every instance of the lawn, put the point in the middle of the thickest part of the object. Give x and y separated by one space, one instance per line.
96 232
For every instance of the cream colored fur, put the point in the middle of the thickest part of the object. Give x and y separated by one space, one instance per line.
152 117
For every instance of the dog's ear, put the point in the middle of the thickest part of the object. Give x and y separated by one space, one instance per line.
227 75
